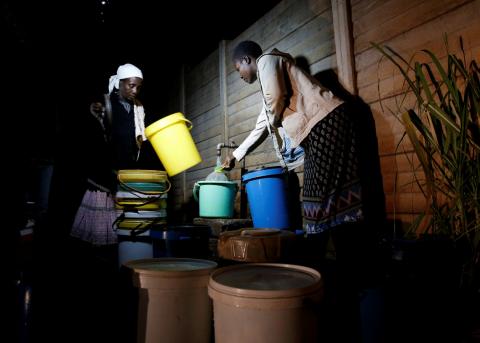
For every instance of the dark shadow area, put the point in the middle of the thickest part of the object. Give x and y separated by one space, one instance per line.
293 201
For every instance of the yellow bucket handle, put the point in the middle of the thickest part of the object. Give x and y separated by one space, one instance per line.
187 122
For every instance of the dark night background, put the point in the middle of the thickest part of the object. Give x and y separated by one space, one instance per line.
60 54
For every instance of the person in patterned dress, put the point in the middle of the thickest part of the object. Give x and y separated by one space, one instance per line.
342 190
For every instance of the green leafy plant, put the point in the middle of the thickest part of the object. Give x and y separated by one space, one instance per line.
443 127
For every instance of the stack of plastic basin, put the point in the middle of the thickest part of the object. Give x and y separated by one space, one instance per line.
141 203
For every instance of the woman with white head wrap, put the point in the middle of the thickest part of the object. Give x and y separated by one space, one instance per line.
127 126
125 71
124 131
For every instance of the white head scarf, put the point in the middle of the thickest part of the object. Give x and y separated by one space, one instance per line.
125 71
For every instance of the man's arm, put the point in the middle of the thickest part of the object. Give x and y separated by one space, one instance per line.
256 136
271 75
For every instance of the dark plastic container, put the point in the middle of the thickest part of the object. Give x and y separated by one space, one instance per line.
189 241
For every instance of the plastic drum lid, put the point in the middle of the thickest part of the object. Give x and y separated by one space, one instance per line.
171 265
266 280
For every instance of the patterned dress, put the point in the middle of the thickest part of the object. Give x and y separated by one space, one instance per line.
95 218
332 193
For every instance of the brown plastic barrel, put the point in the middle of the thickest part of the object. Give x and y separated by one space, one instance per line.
266 302
173 301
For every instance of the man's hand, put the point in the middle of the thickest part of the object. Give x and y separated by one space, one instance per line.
229 162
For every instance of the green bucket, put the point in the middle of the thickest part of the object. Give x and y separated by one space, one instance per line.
216 198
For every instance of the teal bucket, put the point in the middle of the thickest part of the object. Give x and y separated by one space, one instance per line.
216 198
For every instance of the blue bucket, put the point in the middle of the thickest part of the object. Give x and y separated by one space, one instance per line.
267 197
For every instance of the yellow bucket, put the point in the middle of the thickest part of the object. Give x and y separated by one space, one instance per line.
173 143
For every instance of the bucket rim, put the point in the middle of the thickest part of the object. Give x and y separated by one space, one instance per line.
142 176
136 266
316 285
144 214
207 182
263 172
164 122
134 195
142 171
139 223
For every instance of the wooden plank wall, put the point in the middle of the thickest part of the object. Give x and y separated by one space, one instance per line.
197 96
223 107
301 28
406 26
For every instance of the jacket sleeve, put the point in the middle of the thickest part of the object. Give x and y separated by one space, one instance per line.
271 75
256 136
